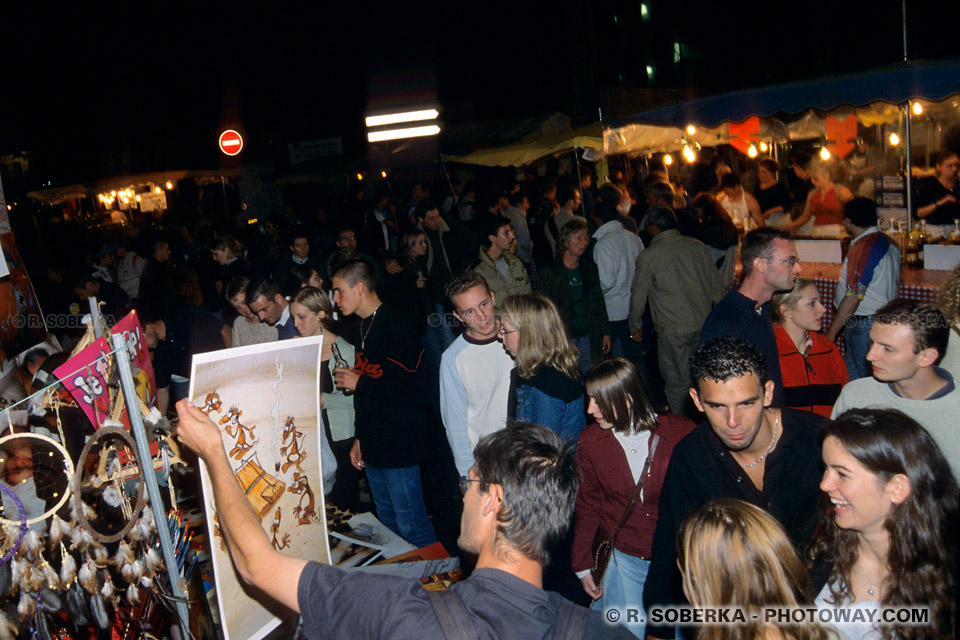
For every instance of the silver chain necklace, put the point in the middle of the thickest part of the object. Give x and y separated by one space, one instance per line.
773 442
364 334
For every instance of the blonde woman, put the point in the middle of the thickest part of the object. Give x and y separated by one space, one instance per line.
811 365
949 303
545 388
312 314
734 554
824 207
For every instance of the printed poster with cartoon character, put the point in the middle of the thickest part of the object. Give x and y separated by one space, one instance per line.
265 398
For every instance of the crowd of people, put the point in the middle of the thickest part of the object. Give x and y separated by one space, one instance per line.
610 316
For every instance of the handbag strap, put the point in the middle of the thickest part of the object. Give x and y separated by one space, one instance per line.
636 490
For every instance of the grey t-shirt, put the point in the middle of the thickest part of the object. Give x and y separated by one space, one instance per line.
353 604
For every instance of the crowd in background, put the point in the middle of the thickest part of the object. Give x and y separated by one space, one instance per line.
559 301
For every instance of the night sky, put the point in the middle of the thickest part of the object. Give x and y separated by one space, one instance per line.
98 92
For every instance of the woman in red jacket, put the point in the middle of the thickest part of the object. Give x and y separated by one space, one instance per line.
811 365
612 455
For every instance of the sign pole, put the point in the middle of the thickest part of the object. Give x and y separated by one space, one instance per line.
150 477
95 317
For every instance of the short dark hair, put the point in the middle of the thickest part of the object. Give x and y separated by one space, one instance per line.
356 270
928 324
298 277
861 211
769 164
800 159
540 480
610 196
84 278
464 282
565 193
298 231
261 286
729 180
725 357
759 243
490 226
516 198
157 243
663 217
661 191
425 206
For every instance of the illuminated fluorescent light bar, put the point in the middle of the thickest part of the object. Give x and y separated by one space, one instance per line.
407 116
409 132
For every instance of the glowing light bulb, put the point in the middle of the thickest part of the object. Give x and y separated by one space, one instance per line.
157 190
359 176
667 159
691 129
752 151
894 139
917 109
688 154
824 154
383 174
169 185
764 147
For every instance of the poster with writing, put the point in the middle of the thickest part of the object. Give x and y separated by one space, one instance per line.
129 327
84 376
265 399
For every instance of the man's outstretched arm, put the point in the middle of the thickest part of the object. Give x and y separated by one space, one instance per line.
257 562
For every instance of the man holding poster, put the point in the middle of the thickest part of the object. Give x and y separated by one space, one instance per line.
518 499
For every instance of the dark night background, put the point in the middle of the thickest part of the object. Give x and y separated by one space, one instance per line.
92 92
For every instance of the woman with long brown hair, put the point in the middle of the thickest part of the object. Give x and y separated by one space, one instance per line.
887 533
612 456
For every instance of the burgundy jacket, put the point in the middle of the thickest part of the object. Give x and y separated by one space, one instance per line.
607 485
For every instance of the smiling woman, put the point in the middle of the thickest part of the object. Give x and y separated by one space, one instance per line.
887 532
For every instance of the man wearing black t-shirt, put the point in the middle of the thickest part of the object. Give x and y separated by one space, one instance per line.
391 402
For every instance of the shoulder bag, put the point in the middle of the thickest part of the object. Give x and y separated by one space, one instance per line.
603 547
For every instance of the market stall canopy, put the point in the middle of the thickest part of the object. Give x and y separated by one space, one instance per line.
929 79
60 194
527 151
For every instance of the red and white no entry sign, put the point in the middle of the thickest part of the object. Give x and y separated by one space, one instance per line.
231 142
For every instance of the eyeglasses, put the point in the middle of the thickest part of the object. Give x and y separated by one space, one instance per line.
465 483
503 332
787 261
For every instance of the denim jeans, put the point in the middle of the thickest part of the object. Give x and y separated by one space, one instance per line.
856 342
399 499
623 590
